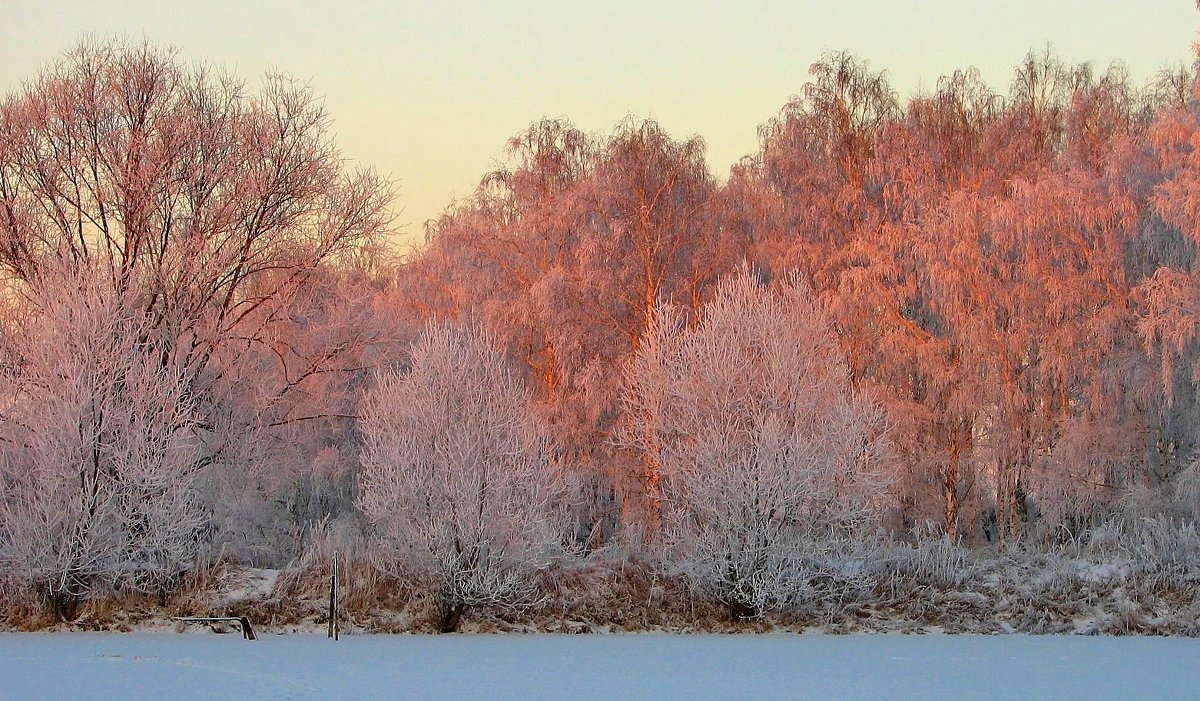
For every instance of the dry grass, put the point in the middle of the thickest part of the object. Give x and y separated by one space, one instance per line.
19 610
1124 581
613 589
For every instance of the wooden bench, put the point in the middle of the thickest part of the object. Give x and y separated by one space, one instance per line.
241 622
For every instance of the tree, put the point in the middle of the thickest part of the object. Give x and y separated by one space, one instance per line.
563 253
100 462
455 477
815 167
287 431
509 257
220 203
120 155
770 460
1168 294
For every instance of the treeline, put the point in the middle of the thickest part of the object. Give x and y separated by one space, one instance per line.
1010 276
970 314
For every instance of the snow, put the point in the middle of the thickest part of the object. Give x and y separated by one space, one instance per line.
252 583
202 665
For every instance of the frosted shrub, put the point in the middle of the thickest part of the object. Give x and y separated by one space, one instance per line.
454 476
98 476
1157 532
931 561
765 464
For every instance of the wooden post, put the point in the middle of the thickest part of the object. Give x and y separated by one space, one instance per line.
333 609
247 629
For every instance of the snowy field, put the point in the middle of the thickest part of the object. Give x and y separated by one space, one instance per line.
104 666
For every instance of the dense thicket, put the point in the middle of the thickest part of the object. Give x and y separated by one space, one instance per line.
975 312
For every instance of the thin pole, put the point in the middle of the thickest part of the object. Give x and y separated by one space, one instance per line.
333 629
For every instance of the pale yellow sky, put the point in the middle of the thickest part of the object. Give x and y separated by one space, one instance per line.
428 92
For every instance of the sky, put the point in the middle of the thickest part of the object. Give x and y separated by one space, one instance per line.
428 92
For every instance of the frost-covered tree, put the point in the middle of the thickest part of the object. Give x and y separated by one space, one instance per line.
563 253
100 460
454 474
770 461
222 200
285 425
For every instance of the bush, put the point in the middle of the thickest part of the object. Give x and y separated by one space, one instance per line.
455 478
765 463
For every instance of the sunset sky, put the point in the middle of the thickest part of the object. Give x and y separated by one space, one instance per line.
429 92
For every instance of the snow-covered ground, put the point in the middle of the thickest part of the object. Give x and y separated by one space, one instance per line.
201 665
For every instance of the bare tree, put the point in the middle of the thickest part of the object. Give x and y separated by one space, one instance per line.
770 461
98 471
454 475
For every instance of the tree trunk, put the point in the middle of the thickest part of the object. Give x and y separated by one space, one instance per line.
65 606
950 495
451 616
741 611
950 479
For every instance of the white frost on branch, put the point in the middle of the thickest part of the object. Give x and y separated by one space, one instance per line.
768 461
454 474
100 460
